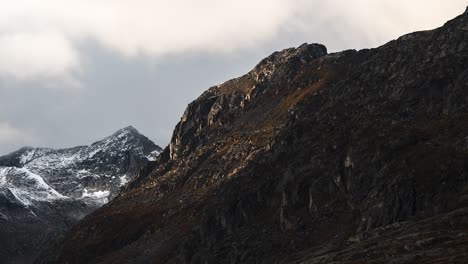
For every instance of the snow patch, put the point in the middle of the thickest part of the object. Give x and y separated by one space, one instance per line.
86 173
83 171
3 171
123 180
26 157
42 185
94 152
20 196
97 194
153 155
100 197
27 187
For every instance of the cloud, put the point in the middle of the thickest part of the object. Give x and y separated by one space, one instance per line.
10 136
40 39
36 55
343 24
8 132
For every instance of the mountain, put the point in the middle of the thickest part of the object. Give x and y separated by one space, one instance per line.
349 157
44 191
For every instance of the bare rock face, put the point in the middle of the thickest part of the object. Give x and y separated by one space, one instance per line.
45 191
351 157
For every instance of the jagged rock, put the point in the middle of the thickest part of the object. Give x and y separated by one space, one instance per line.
302 158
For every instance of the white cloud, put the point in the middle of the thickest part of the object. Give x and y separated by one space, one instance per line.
38 39
28 49
11 137
369 23
36 55
7 132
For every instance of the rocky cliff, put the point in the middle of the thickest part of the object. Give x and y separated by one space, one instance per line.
44 191
351 157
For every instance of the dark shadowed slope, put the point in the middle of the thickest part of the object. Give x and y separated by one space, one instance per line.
44 191
351 157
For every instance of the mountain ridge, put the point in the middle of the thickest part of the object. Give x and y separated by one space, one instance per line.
43 191
350 157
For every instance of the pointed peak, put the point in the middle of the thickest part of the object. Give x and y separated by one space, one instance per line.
126 133
130 128
310 51
127 130
305 52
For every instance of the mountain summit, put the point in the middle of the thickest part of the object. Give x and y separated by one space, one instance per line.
43 191
349 157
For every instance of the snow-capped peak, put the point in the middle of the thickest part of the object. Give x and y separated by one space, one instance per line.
85 172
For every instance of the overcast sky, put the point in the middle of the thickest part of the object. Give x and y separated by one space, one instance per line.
75 71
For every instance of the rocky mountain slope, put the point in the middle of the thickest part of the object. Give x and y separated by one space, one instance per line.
44 191
351 157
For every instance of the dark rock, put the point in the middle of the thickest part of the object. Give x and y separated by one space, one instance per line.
351 157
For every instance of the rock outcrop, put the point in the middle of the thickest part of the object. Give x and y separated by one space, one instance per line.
351 157
45 191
